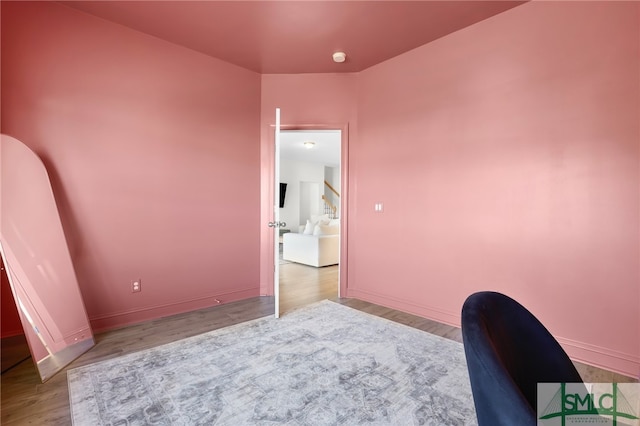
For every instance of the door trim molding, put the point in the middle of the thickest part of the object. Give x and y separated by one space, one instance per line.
266 252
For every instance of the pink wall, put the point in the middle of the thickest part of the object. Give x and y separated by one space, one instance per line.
506 156
318 100
154 155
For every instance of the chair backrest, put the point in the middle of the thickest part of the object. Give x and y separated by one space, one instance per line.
508 353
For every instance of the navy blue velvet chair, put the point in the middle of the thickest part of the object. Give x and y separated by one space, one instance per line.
508 353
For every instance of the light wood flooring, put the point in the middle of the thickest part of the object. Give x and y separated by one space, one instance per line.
27 401
301 285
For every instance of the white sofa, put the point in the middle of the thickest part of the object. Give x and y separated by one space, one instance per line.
312 250
320 248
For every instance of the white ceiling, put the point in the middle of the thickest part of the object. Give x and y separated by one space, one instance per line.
325 151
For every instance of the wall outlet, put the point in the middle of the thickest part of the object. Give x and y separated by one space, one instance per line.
136 286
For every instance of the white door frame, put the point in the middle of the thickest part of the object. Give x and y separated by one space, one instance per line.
344 201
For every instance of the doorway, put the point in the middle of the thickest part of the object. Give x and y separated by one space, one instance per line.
311 167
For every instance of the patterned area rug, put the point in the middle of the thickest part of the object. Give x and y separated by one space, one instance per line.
325 364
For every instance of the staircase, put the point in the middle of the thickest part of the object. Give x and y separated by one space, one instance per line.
330 208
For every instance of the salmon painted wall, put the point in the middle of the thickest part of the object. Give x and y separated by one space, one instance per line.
506 158
153 152
304 99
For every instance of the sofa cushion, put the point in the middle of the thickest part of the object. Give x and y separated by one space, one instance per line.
325 230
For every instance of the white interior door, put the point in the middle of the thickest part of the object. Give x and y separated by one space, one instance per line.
275 224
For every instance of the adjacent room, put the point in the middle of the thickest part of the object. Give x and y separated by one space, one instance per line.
309 203
274 211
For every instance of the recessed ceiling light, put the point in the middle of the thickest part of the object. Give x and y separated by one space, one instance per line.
339 57
309 144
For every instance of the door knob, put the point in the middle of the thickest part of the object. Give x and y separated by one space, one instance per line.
277 224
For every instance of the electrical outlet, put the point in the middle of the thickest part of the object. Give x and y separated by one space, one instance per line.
136 286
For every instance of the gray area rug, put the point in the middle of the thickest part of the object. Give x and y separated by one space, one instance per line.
325 364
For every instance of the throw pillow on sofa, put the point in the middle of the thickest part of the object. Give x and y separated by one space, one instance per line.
308 228
315 220
320 218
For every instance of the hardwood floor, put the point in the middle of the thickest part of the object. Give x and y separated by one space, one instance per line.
14 351
301 285
26 401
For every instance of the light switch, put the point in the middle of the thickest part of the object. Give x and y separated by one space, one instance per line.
378 207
